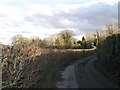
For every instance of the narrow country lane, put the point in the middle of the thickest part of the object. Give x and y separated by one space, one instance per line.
82 74
69 79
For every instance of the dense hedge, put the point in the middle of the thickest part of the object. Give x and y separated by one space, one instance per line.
108 53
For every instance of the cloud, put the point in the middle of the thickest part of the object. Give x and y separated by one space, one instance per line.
76 16
35 19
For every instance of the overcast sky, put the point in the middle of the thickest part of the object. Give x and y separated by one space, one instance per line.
32 18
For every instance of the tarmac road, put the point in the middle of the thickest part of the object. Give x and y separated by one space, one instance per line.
82 74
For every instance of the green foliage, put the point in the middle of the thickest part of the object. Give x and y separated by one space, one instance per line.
84 44
98 34
79 42
67 36
83 38
57 43
76 46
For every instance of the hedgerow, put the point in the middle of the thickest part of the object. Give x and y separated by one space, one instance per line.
108 53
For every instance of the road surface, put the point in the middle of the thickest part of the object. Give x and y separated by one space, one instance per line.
82 74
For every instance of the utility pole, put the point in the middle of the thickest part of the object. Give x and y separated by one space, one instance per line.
119 17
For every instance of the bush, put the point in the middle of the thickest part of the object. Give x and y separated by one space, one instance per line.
76 46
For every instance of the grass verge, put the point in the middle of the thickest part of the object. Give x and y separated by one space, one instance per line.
110 75
47 81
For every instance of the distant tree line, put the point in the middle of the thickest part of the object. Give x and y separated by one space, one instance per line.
65 39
